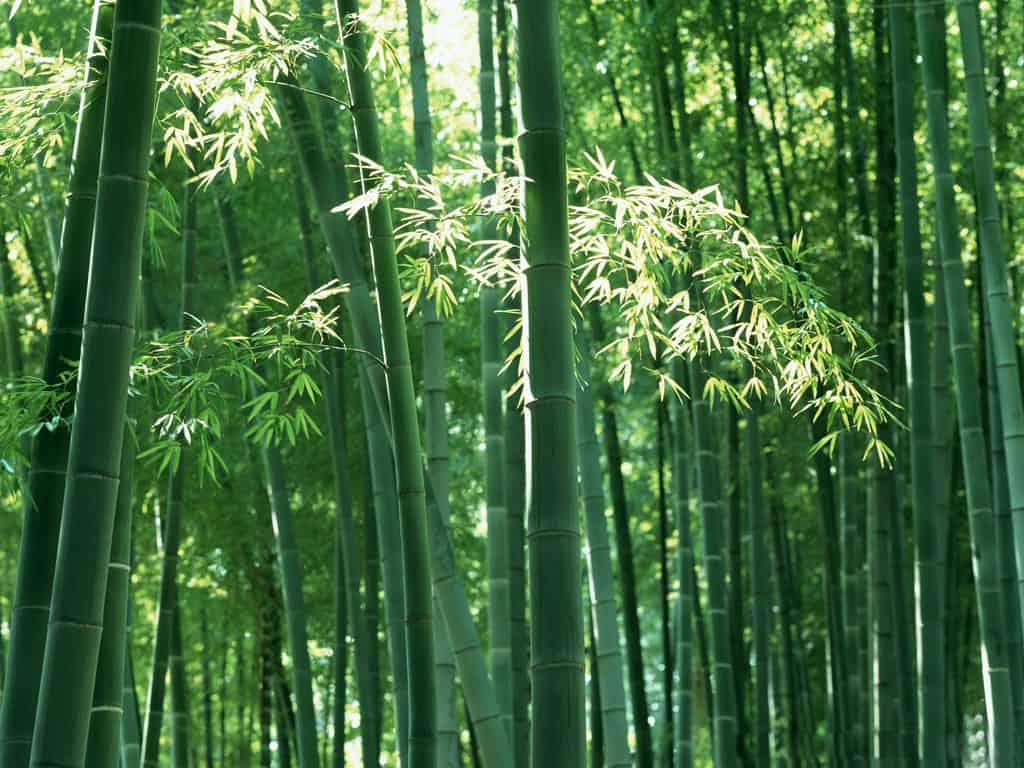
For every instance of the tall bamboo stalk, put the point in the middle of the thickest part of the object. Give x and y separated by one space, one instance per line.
435 410
94 458
615 730
556 629
498 609
683 742
180 725
998 696
624 552
725 737
998 304
401 397
46 477
515 454
104 746
930 581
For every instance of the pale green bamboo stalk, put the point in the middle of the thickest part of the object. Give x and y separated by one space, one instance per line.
180 725
498 608
999 307
615 729
683 742
515 469
998 696
434 396
725 736
929 578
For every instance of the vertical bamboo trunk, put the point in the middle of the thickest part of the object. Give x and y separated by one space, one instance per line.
455 609
328 191
556 629
155 697
104 745
515 470
761 593
725 736
999 307
83 551
668 654
624 552
180 726
46 478
207 690
884 279
683 742
1004 525
998 696
596 725
615 730
168 608
435 413
930 582
401 396
294 605
498 609
131 723
794 712
371 593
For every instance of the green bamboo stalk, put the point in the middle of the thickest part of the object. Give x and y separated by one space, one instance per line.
346 549
498 608
1004 524
168 608
155 698
787 623
131 725
760 580
104 745
615 729
596 726
1000 309
329 190
401 396
930 581
83 552
556 629
294 605
470 664
724 713
624 552
515 456
434 398
45 489
683 742
204 629
998 697
180 726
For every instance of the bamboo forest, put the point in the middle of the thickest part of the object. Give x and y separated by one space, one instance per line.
511 384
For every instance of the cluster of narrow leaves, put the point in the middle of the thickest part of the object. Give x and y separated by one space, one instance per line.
225 88
38 95
186 384
193 379
685 276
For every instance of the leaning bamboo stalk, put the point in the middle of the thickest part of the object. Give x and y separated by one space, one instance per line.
47 473
94 457
998 696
